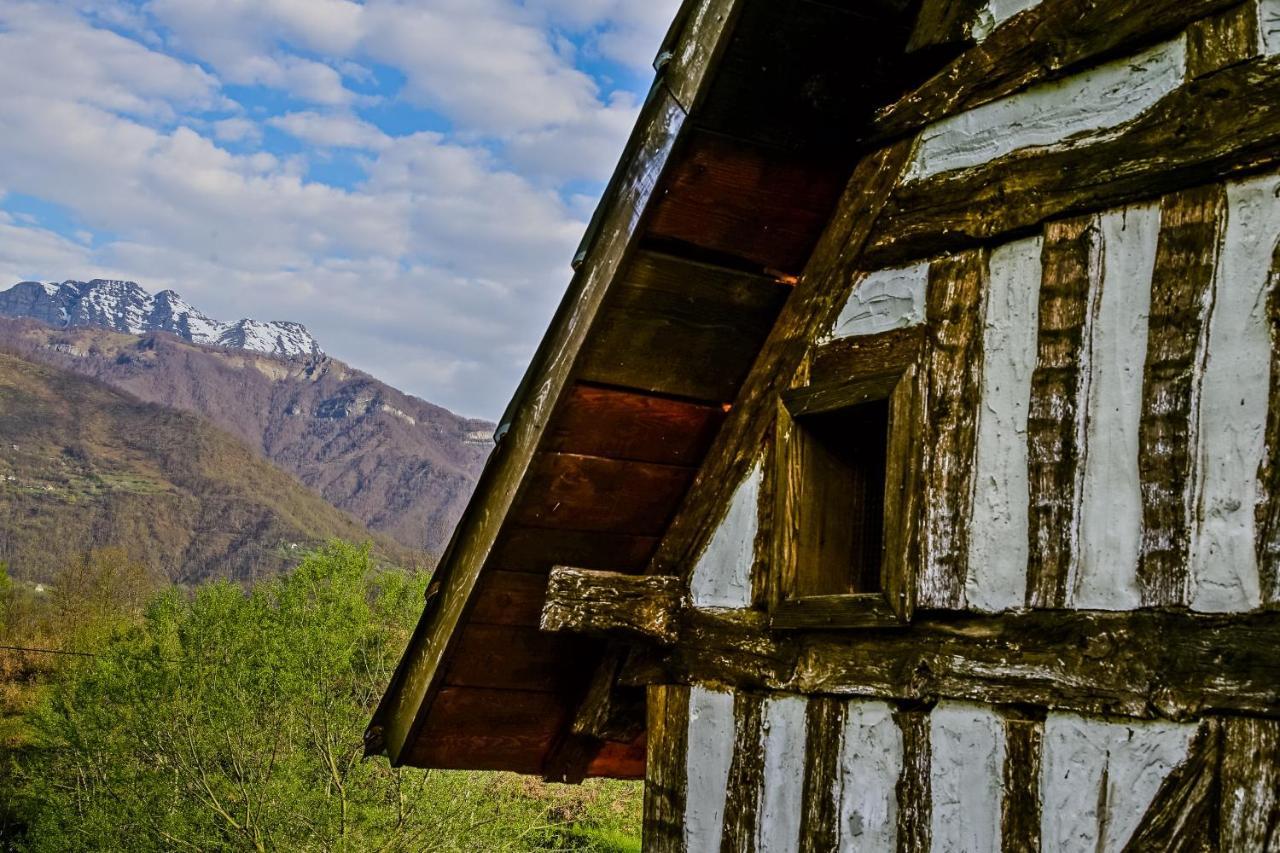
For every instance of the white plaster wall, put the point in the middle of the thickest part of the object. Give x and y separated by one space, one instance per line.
1269 26
884 300
710 752
1098 778
1076 110
1234 394
1110 518
722 575
966 774
870 764
998 546
778 821
996 12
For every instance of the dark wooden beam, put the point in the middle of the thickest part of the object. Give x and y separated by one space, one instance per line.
1220 125
666 776
1183 818
638 607
1145 664
681 328
1045 42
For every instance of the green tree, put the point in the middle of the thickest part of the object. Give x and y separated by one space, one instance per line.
228 720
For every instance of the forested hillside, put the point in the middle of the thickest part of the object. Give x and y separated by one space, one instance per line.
401 465
84 466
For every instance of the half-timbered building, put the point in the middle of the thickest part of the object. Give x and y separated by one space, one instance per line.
901 470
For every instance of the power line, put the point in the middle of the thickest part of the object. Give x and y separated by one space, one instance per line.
49 651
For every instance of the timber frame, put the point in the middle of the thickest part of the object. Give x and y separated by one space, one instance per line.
627 567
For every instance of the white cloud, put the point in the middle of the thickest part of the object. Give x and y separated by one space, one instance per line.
236 129
437 271
331 130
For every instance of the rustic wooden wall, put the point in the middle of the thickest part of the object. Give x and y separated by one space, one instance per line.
1092 259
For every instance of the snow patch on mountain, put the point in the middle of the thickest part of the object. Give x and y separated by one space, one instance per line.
126 307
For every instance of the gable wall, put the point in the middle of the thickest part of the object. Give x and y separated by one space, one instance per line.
1119 454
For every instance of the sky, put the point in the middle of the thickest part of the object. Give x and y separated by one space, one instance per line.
409 178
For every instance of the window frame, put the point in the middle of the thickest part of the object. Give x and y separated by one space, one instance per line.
894 603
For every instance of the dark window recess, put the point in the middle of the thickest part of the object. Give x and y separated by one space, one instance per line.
840 485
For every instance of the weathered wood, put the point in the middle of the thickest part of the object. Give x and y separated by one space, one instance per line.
760 205
608 712
636 607
509 598
944 22
1249 794
862 355
746 775
1181 286
1143 664
477 729
1183 817
410 696
513 658
1072 270
613 422
829 494
681 328
952 391
1222 40
570 758
571 492
1268 509
840 393
914 789
829 278
1219 125
902 496
1051 39
537 549
695 48
859 610
666 775
1020 807
823 738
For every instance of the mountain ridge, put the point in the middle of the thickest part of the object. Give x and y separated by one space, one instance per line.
401 465
86 466
124 306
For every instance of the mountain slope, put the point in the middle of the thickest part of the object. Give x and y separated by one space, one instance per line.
126 307
401 465
83 466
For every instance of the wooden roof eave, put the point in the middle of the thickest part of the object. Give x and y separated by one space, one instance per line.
680 86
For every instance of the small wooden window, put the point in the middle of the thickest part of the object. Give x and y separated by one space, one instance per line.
844 459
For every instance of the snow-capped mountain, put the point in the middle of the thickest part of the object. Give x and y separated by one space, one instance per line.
126 307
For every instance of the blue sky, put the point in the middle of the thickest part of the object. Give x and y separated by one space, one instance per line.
407 177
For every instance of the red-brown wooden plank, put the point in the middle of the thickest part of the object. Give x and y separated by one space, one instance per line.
762 205
511 657
475 729
537 549
619 760
571 492
598 421
509 598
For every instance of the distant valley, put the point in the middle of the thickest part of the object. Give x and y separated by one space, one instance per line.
400 465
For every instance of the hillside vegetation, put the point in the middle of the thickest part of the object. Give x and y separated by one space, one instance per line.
226 719
84 466
402 466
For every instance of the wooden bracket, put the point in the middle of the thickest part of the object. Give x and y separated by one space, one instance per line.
643 608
